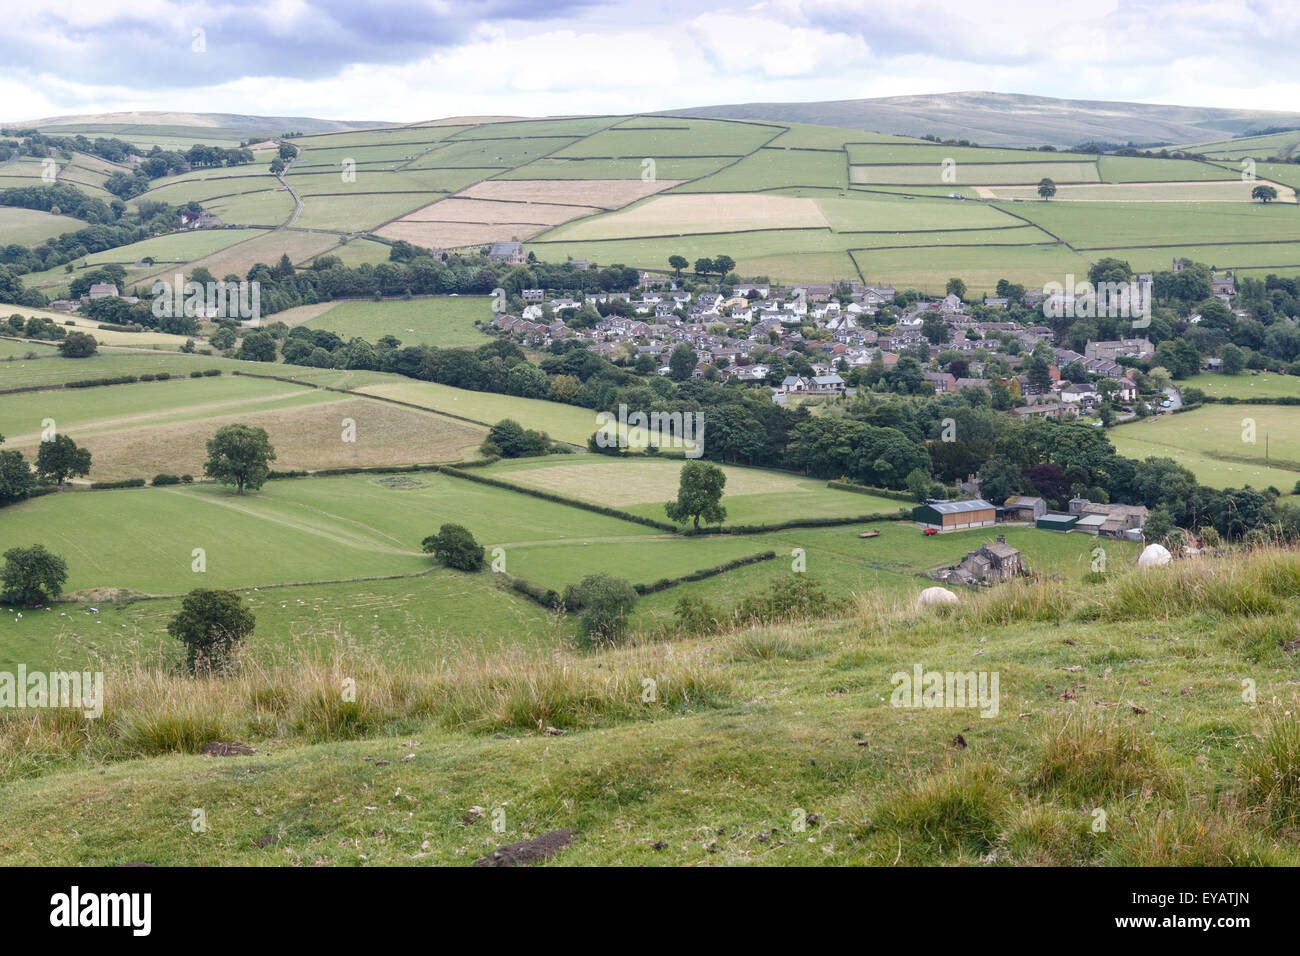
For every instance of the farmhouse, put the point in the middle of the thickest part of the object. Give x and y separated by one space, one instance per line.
1109 521
953 515
990 562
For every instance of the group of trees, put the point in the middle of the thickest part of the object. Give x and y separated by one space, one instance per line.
58 459
704 266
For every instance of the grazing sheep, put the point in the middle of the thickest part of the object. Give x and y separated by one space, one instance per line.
1153 555
933 596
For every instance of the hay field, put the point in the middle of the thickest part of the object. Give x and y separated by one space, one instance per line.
697 213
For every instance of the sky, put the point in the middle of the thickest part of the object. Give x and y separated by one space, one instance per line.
409 60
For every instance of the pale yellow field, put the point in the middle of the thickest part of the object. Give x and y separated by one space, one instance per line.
458 210
705 212
239 258
605 193
455 235
308 436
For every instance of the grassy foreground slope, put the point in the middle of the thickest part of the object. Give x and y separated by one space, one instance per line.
1148 719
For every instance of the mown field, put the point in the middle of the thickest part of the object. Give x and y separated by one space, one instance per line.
443 322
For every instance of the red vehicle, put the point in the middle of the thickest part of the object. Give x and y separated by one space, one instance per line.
929 531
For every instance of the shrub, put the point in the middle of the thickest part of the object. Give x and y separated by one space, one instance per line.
606 602
212 624
165 479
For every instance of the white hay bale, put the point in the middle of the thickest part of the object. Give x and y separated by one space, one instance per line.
931 597
1153 555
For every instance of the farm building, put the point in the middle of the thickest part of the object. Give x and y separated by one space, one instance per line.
1115 521
998 561
1054 522
1024 508
954 515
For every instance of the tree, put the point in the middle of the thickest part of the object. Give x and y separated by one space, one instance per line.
1158 525
455 547
211 624
678 263
239 455
605 602
16 477
723 264
956 287
1234 360
1263 193
257 347
1046 188
999 480
682 362
703 266
699 495
509 439
78 345
60 459
32 576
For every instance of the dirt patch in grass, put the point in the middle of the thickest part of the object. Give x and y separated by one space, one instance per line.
528 851
308 437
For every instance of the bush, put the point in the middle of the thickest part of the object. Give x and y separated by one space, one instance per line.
165 479
119 483
212 624
606 602
187 479
455 547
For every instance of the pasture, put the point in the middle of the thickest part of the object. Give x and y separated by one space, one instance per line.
1224 445
30 227
1246 385
443 322
642 485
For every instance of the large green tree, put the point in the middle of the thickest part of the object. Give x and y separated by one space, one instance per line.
211 624
605 602
60 459
239 455
455 547
32 576
699 495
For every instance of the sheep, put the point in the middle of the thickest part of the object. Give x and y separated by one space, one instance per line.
934 596
1153 555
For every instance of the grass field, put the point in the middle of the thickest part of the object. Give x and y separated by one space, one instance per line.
641 486
1215 442
443 322
1246 385
30 227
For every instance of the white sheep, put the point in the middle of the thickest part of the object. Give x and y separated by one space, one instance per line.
1153 555
933 596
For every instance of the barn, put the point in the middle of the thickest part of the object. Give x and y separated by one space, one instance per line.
954 515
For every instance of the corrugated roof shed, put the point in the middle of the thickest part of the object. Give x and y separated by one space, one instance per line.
959 507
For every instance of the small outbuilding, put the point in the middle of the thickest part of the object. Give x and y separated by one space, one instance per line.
1055 522
1024 508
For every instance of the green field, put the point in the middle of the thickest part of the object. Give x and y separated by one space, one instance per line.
31 227
443 322
642 485
1215 443
1246 385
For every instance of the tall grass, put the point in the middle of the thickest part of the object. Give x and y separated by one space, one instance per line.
1087 756
150 711
1270 771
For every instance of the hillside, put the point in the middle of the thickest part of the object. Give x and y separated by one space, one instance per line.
240 121
1011 119
1148 719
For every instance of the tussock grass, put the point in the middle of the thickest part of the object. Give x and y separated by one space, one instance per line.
1189 833
1239 584
1049 835
1270 771
1020 601
960 807
1091 757
153 711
